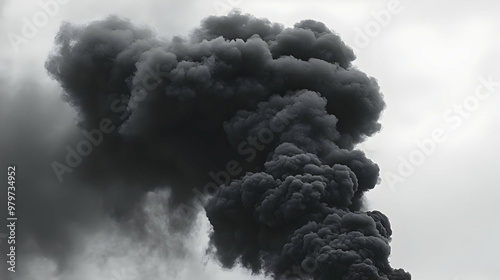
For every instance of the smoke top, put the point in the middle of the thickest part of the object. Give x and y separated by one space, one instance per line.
260 119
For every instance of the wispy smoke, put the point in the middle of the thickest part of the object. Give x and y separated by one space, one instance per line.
284 105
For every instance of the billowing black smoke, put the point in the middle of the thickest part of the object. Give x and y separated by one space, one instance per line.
271 114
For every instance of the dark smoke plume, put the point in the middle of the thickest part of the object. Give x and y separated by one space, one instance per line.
279 109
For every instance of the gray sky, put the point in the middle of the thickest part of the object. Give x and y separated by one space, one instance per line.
431 59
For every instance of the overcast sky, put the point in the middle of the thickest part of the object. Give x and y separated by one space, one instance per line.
437 65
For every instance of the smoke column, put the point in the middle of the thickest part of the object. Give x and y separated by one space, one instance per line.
267 114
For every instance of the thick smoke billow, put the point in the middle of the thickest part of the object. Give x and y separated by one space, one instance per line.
279 109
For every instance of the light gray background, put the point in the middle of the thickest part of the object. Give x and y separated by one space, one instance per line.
428 59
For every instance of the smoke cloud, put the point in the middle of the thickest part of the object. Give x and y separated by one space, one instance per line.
261 118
